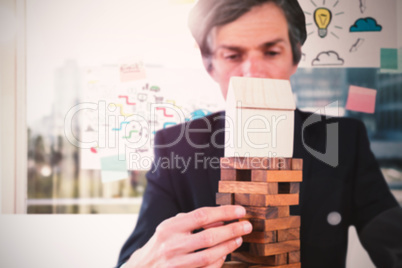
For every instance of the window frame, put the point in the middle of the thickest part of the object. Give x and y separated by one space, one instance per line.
13 135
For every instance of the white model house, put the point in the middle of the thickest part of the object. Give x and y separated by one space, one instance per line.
259 118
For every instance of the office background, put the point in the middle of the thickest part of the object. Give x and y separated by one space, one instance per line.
73 54
56 54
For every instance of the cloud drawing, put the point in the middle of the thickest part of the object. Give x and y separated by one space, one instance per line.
365 25
327 58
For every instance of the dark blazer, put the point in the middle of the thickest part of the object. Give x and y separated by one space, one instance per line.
355 188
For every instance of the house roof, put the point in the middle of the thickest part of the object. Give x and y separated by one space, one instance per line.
260 93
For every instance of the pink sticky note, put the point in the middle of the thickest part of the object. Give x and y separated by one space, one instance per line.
361 99
132 72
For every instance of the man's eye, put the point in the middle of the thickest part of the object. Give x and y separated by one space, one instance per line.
231 56
271 53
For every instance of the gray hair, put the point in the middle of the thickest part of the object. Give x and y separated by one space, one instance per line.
208 14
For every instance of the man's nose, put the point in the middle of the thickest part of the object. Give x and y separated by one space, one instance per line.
254 66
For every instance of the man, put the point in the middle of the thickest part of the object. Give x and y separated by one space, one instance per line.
179 226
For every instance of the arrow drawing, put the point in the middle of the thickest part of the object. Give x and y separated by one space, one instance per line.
164 111
121 109
171 101
121 126
165 125
129 136
126 97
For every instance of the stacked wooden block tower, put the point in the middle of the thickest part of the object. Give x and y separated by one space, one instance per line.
266 187
262 112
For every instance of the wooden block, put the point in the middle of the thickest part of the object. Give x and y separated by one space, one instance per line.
261 237
294 188
281 259
266 163
297 164
224 199
288 234
273 164
244 162
262 212
266 200
258 175
273 260
228 174
294 257
288 187
285 163
235 174
267 212
274 248
283 211
235 264
280 163
293 265
248 187
257 200
275 224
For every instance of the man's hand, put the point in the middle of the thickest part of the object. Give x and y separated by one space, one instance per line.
174 243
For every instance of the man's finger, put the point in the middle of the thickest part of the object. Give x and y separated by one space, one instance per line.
215 224
205 216
211 255
214 236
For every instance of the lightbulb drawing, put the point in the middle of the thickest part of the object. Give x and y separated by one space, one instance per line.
322 18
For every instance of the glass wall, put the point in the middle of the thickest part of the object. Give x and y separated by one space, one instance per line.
66 39
77 53
316 88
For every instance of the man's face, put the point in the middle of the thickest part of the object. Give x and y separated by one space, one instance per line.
255 45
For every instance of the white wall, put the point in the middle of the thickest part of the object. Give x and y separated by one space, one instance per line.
66 241
63 241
